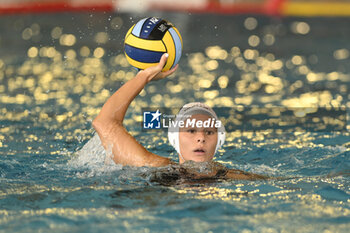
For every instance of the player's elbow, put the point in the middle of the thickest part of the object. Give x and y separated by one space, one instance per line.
95 122
105 125
98 124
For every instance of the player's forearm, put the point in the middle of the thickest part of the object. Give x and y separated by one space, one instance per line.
241 175
116 106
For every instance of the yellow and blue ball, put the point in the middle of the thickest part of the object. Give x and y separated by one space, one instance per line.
147 40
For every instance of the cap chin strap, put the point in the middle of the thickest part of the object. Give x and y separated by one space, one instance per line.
182 157
221 137
175 142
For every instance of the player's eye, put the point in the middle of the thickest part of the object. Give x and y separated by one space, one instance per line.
209 132
191 131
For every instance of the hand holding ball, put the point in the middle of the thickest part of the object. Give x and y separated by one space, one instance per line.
147 40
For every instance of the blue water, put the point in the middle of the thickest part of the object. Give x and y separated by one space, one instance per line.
56 177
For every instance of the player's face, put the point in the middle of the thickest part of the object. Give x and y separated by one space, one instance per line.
198 144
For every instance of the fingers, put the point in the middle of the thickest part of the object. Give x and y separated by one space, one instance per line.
164 74
169 72
156 73
163 60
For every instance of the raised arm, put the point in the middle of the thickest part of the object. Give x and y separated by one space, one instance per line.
109 122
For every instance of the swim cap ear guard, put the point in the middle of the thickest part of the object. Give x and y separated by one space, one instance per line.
191 109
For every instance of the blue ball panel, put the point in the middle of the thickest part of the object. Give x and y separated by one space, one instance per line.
148 27
142 55
137 29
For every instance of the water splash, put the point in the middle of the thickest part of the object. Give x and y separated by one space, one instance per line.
93 159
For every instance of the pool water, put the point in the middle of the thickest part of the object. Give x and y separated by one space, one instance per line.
56 71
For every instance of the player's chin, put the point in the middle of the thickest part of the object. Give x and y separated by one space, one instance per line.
201 158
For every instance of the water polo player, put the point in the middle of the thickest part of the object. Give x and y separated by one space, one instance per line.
196 144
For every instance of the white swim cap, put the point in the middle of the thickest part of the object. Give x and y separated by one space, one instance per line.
191 109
